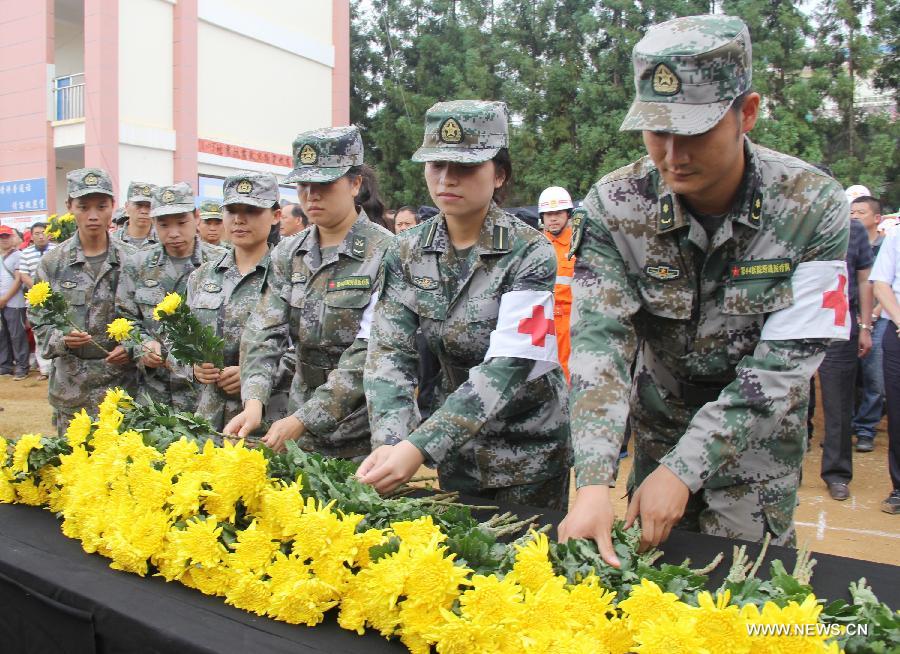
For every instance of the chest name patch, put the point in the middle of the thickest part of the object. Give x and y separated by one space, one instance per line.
344 283
760 269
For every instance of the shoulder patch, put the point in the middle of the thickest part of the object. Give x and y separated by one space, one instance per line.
425 283
742 271
354 282
579 216
501 237
211 287
663 273
69 284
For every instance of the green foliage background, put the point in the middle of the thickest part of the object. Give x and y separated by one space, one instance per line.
564 68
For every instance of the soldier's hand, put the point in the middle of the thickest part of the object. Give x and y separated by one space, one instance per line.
230 380
660 501
243 424
153 358
281 431
390 466
206 373
592 517
76 339
118 357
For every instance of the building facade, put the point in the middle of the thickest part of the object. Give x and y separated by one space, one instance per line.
161 90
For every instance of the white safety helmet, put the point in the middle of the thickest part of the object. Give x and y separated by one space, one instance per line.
856 191
555 198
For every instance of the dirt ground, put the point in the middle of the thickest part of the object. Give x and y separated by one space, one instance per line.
856 528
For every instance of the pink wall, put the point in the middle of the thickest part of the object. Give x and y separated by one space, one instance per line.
340 74
101 80
26 138
184 76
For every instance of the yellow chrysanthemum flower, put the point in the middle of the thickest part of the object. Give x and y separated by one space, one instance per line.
67 218
199 543
648 602
667 636
418 532
119 329
492 601
720 624
79 428
456 635
254 549
249 593
27 492
38 294
168 305
24 446
532 568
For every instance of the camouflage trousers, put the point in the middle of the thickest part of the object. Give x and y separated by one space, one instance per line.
745 511
552 493
162 385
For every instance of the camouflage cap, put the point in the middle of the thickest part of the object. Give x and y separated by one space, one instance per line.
174 199
465 131
323 155
140 192
210 210
85 181
687 72
255 189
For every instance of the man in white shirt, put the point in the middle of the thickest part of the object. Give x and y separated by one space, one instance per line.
886 279
14 348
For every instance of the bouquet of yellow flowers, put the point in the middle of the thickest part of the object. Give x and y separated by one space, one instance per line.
60 228
184 337
55 308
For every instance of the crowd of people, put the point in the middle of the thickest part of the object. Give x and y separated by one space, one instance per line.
687 302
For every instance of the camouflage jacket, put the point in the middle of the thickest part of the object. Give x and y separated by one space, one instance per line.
122 234
80 377
222 298
490 423
647 272
318 305
147 276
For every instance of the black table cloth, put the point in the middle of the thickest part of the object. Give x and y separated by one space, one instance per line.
54 598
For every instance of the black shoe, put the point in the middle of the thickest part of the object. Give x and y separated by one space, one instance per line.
892 503
839 491
865 444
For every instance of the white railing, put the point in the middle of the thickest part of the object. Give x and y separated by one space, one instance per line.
68 97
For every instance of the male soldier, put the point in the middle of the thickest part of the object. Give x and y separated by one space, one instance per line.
210 225
85 271
138 228
555 208
725 260
149 274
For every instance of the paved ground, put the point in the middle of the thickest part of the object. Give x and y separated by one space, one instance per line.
856 528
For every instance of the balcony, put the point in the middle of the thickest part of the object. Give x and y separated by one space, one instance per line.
68 97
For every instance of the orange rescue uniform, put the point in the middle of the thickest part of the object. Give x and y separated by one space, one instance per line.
565 269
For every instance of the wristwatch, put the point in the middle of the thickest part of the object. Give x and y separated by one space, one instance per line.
863 326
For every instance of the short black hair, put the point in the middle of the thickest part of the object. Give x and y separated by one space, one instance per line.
874 203
411 209
39 224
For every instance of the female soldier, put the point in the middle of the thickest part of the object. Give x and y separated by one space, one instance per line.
479 284
323 280
222 293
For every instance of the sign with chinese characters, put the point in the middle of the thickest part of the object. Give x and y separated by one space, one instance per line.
23 195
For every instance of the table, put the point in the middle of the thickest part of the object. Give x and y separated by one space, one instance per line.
54 598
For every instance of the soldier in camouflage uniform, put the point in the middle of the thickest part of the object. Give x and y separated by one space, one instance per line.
152 272
85 270
210 225
223 293
322 287
500 426
138 228
692 256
